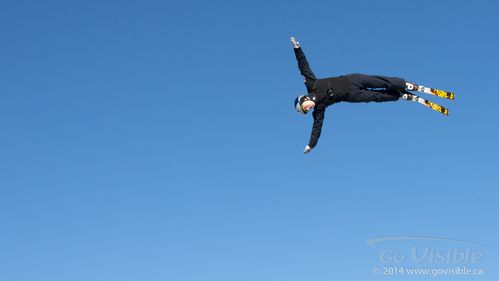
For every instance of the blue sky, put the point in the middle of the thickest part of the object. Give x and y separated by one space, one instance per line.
156 140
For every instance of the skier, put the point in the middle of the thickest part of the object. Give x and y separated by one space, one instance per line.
349 88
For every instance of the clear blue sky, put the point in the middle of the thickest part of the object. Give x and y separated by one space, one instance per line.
156 140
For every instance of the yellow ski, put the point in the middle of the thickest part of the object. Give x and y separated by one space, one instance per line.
436 92
427 103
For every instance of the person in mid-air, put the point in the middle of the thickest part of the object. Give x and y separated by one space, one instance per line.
354 88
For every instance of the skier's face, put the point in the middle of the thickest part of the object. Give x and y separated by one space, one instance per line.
307 105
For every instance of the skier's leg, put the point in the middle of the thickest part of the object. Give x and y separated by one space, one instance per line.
372 96
376 82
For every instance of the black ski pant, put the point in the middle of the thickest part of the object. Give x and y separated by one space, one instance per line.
368 88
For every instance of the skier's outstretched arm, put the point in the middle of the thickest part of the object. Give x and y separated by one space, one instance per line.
318 115
305 70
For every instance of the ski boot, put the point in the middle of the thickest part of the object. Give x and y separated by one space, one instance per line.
405 95
411 86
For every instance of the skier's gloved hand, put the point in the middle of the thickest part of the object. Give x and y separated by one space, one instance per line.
295 43
307 149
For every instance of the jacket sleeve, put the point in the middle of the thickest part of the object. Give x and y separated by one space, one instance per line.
318 115
303 66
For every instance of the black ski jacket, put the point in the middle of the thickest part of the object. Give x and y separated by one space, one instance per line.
327 91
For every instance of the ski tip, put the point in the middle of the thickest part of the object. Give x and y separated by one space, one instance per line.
451 95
